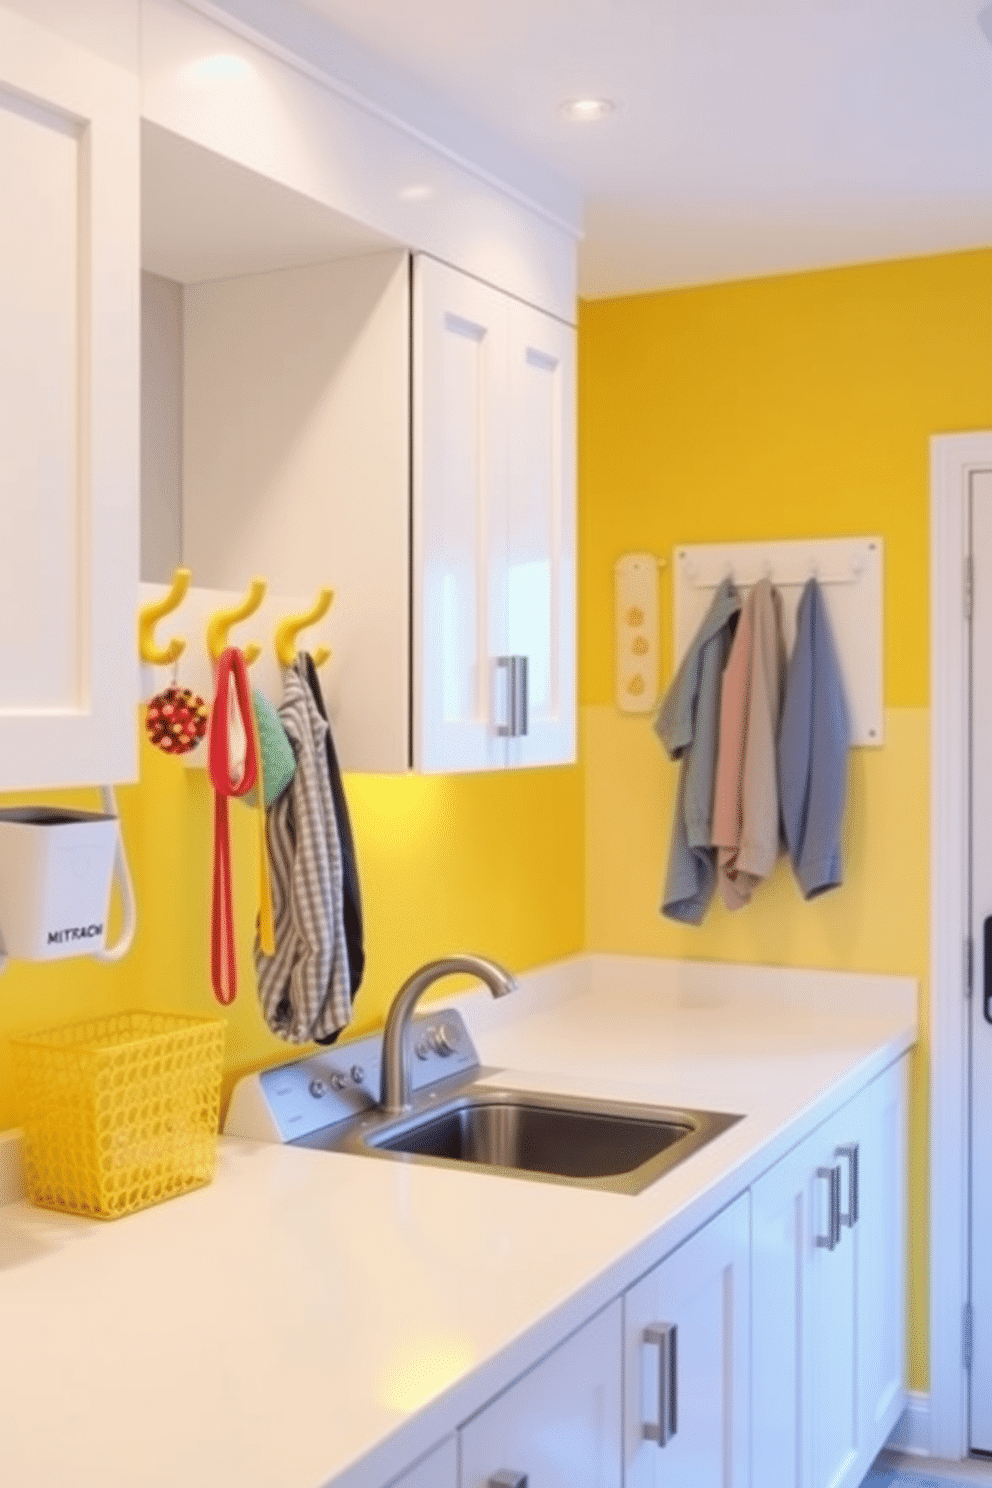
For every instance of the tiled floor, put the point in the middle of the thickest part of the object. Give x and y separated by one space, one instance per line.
895 1471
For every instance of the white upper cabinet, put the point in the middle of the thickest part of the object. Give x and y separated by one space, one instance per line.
434 494
539 582
69 379
494 528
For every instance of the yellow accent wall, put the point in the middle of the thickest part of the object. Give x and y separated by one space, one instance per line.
774 408
491 863
779 408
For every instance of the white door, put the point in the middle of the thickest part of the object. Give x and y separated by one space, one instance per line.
460 452
69 382
558 1426
981 930
539 579
686 1363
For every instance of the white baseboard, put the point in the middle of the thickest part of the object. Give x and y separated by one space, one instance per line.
912 1430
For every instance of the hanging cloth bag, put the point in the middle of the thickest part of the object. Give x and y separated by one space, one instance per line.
233 766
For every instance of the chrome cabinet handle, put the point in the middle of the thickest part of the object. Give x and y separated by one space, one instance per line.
517 720
507 1478
832 1237
519 684
506 664
850 1151
664 1336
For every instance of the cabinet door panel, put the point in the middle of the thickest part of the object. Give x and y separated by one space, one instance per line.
439 1469
703 1289
459 481
779 1246
540 543
68 412
560 1424
882 1255
804 1338
832 1371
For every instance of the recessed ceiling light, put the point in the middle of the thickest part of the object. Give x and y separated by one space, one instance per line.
584 110
416 193
222 68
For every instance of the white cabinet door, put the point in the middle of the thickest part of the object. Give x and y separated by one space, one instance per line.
69 379
803 1268
686 1363
831 1375
460 447
882 1256
539 580
828 1292
439 1469
493 528
558 1426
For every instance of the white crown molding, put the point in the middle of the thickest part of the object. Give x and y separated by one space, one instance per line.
569 222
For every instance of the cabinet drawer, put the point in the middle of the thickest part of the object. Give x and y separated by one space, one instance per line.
560 1424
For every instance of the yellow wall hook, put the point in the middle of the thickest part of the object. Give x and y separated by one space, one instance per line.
220 623
149 616
287 630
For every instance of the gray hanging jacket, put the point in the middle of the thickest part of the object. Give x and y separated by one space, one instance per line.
813 740
688 725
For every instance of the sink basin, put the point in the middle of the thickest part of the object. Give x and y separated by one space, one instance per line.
592 1144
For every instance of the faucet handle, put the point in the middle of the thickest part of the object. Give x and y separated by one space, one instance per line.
440 1038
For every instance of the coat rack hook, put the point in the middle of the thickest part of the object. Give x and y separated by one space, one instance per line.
149 616
287 630
220 623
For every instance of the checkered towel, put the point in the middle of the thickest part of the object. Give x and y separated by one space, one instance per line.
304 987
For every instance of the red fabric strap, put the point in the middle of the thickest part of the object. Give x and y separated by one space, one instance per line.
223 965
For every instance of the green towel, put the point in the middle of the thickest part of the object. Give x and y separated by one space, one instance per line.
278 759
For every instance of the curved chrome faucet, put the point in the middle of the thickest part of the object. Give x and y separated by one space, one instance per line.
396 1083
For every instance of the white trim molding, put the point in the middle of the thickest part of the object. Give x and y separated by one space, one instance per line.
953 458
911 1433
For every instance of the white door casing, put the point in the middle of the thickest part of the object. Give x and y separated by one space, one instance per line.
69 417
953 460
980 1429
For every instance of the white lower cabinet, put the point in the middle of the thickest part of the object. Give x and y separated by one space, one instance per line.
827 1259
686 1351
439 1469
558 1426
767 1350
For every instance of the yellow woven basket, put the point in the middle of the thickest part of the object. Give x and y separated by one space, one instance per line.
120 1112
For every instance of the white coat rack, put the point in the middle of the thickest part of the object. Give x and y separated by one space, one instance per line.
849 570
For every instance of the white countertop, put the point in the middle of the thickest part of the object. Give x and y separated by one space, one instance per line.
312 1318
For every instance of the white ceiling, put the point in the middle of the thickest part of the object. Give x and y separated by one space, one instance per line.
750 137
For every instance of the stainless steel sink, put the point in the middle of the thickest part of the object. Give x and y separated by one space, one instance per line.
450 1116
591 1144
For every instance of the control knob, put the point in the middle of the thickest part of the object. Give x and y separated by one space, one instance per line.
441 1039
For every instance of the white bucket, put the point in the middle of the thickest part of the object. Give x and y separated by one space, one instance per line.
56 870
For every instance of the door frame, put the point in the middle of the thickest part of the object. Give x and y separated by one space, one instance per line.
953 458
